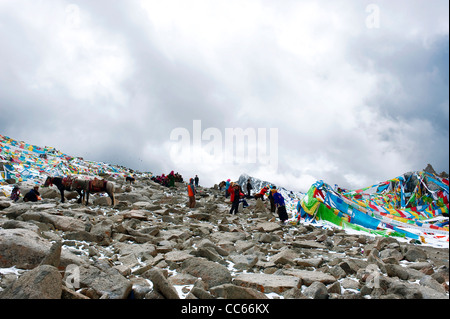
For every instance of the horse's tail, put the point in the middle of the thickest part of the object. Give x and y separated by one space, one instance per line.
110 190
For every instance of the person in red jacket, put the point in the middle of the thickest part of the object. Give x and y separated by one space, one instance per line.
262 193
235 197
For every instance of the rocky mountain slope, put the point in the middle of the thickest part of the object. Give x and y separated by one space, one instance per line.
150 245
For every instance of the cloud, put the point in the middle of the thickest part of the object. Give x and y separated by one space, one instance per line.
352 104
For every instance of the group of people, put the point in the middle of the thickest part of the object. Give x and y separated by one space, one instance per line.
32 196
168 180
236 197
234 190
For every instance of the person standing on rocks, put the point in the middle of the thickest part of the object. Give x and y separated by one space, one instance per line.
227 187
235 199
281 207
272 202
191 193
249 188
171 178
196 179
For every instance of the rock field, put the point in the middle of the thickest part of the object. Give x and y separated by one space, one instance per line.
150 245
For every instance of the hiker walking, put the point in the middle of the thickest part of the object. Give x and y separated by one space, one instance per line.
272 202
249 188
196 179
191 193
281 208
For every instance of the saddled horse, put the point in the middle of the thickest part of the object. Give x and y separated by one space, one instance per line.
99 186
68 183
82 186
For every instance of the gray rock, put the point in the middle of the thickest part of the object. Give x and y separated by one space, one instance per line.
177 256
309 262
13 224
230 291
64 223
25 249
397 271
104 280
415 254
316 290
391 253
405 290
309 244
243 262
161 284
4 205
54 256
212 273
430 282
200 293
285 256
42 282
267 283
430 293
269 227
308 277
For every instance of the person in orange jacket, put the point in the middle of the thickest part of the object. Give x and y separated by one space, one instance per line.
191 193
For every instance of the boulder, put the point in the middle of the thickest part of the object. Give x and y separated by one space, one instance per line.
269 227
243 262
230 291
42 282
267 283
309 262
103 280
210 272
316 290
285 256
25 249
308 277
4 204
64 223
415 254
161 284
397 271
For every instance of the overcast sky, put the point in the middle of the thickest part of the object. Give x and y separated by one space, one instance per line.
357 90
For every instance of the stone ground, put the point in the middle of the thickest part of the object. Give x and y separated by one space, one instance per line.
151 246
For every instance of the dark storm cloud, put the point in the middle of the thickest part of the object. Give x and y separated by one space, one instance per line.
110 81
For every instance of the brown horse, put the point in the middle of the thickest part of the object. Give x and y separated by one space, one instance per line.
99 186
67 183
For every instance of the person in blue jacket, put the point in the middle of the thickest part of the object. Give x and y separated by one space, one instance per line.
280 205
227 186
